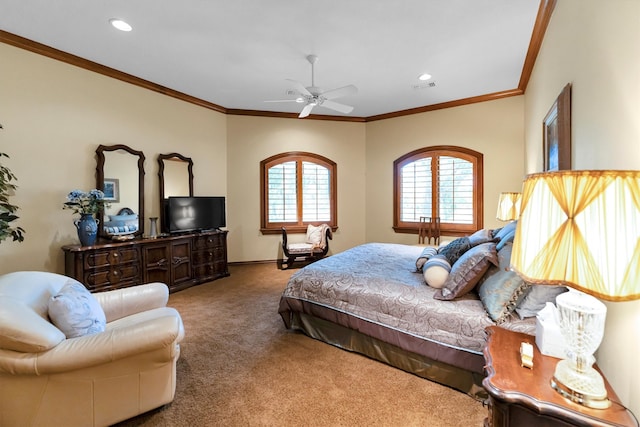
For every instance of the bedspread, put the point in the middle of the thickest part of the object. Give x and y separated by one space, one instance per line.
378 282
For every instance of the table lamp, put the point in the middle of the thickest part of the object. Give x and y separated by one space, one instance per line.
508 206
581 229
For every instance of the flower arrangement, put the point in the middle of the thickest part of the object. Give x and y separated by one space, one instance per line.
83 202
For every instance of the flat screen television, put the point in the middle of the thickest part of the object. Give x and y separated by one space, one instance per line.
185 214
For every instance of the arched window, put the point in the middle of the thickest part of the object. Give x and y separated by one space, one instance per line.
440 181
297 189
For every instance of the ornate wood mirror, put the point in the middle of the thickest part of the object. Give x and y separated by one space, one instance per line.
120 174
176 178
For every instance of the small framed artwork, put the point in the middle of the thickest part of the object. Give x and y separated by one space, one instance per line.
112 190
556 133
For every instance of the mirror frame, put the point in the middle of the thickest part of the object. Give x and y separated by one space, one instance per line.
100 183
161 159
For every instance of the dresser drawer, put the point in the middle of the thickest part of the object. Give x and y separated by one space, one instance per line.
112 278
106 258
207 242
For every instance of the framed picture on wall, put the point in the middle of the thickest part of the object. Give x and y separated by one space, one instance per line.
112 190
556 133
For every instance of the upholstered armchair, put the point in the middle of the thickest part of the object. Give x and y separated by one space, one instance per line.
315 246
121 364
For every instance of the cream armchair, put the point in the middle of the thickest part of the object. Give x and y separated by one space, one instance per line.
92 380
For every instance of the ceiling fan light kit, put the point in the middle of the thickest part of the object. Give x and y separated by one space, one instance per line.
313 96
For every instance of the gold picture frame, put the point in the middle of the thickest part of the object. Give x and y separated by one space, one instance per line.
556 133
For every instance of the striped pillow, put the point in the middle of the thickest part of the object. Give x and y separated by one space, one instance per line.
436 270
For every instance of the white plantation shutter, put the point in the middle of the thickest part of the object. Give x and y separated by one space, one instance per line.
416 190
297 189
283 192
455 190
453 186
316 193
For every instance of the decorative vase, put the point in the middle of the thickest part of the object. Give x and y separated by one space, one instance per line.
153 230
87 227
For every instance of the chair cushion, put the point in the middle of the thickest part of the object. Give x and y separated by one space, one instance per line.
75 311
300 248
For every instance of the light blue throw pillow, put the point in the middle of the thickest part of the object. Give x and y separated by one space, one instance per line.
537 297
75 311
501 289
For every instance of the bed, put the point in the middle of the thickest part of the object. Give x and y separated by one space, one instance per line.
370 299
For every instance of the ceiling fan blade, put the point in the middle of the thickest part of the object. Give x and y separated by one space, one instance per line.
339 92
282 100
300 87
337 106
306 110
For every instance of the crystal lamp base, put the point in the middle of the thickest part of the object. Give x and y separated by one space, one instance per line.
586 388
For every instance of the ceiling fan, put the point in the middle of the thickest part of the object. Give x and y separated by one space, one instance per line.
313 96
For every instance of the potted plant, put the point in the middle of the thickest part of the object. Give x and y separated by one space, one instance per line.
86 203
7 210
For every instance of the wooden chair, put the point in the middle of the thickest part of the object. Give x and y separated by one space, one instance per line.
429 228
308 251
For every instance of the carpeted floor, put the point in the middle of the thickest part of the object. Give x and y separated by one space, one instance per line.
239 366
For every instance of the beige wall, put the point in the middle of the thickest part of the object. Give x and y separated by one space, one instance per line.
253 139
595 46
55 116
492 128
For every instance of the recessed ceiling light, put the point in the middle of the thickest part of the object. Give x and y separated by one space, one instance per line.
120 24
424 77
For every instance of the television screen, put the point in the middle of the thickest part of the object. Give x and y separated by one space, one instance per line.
195 213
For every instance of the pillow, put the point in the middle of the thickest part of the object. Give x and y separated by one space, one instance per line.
467 271
536 298
507 238
499 234
436 270
501 289
481 236
76 312
455 249
314 234
427 253
133 217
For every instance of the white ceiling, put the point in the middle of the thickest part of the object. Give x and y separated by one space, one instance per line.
237 54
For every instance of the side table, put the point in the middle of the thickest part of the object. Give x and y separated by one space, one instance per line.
520 396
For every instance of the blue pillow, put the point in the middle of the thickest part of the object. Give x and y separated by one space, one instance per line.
132 217
536 298
75 311
501 289
507 238
506 230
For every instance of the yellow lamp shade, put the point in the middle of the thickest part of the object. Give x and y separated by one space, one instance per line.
508 206
581 229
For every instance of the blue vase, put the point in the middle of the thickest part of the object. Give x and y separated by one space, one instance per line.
87 229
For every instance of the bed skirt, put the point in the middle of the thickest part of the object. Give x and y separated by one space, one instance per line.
468 381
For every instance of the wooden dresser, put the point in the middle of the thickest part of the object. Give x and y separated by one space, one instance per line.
523 397
179 261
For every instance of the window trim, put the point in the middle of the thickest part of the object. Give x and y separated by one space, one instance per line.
300 227
449 229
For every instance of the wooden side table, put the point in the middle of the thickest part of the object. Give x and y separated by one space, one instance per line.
520 396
